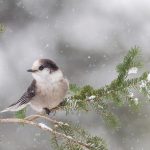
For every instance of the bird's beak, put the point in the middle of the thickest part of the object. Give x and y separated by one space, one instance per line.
30 70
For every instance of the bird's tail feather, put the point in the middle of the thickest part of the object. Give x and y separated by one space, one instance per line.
14 108
5 110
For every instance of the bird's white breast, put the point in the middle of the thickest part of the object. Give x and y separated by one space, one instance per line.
49 94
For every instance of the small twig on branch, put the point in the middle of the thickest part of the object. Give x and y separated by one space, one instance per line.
35 117
45 128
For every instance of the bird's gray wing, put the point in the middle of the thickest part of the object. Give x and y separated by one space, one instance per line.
24 100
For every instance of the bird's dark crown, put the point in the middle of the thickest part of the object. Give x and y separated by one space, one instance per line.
47 63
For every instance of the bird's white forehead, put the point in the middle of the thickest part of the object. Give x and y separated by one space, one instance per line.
36 64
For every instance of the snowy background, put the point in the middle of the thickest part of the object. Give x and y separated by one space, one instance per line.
86 39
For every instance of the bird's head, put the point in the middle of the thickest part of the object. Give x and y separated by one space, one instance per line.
45 70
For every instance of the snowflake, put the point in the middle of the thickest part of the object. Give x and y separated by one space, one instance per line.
89 57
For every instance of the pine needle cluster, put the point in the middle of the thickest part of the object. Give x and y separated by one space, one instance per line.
120 92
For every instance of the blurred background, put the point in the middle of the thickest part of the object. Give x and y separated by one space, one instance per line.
87 39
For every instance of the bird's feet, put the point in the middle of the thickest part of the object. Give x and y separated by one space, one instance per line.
47 111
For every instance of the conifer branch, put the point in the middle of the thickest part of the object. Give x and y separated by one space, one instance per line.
119 93
44 127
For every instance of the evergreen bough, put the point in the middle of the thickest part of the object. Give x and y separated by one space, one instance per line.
119 93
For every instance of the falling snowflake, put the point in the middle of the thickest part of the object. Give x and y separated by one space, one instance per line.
89 57
47 45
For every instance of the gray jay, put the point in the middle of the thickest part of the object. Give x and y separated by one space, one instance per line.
47 89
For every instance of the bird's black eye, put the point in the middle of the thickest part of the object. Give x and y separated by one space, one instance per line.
41 67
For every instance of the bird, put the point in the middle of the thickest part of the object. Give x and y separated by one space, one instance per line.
47 90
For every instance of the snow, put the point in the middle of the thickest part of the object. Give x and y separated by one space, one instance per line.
47 45
104 56
133 70
43 126
131 94
89 57
62 123
91 97
136 101
69 137
148 77
101 107
142 84
56 126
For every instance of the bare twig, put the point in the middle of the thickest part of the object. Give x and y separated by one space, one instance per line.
35 117
45 128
